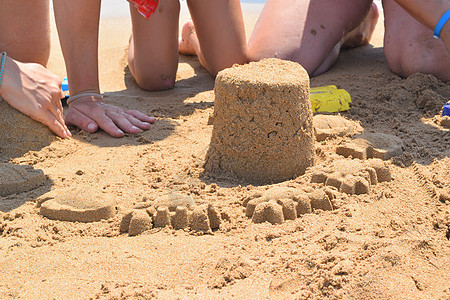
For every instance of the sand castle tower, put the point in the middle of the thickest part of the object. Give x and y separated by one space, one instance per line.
262 122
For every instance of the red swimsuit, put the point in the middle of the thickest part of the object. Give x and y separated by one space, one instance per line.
145 7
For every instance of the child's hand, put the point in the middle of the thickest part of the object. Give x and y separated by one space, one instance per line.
90 113
36 92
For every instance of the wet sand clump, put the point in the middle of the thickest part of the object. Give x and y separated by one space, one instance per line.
15 179
76 205
263 129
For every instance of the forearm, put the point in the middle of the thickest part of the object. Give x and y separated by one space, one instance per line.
78 24
428 12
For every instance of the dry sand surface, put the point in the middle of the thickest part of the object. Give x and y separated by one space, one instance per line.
348 228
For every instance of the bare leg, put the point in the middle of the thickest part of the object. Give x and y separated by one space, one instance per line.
305 31
25 30
153 52
188 43
219 35
361 35
409 46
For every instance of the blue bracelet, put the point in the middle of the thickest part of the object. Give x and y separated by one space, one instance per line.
2 67
444 19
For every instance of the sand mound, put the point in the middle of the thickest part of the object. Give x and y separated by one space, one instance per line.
136 222
328 126
176 210
352 176
262 122
15 179
19 133
77 205
372 145
278 204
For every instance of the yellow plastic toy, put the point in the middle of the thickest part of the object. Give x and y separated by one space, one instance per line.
329 99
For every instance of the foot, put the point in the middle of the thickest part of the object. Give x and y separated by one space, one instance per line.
361 35
185 46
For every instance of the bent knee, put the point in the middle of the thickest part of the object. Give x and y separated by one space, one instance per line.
409 60
151 78
215 67
155 83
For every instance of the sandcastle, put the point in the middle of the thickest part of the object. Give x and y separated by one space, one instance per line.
175 210
263 129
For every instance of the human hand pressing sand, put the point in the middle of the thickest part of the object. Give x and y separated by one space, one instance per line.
34 91
90 113
26 84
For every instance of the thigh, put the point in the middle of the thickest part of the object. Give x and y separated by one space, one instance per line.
409 46
25 30
221 33
305 31
153 54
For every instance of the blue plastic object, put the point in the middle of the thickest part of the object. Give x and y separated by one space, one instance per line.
65 89
446 109
65 85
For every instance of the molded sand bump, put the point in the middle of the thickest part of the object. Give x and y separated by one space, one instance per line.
15 179
174 210
263 129
372 145
77 205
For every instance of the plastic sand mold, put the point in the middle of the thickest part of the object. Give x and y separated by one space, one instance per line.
145 7
446 109
65 90
329 99
65 85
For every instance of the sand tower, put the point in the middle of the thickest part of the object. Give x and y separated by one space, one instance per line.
262 122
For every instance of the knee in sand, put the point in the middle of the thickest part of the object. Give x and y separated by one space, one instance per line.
153 82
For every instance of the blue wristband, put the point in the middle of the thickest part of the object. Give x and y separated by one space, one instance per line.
2 67
444 19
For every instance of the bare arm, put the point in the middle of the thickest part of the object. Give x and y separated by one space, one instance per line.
78 23
428 12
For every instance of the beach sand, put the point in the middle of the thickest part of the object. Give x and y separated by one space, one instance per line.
388 241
